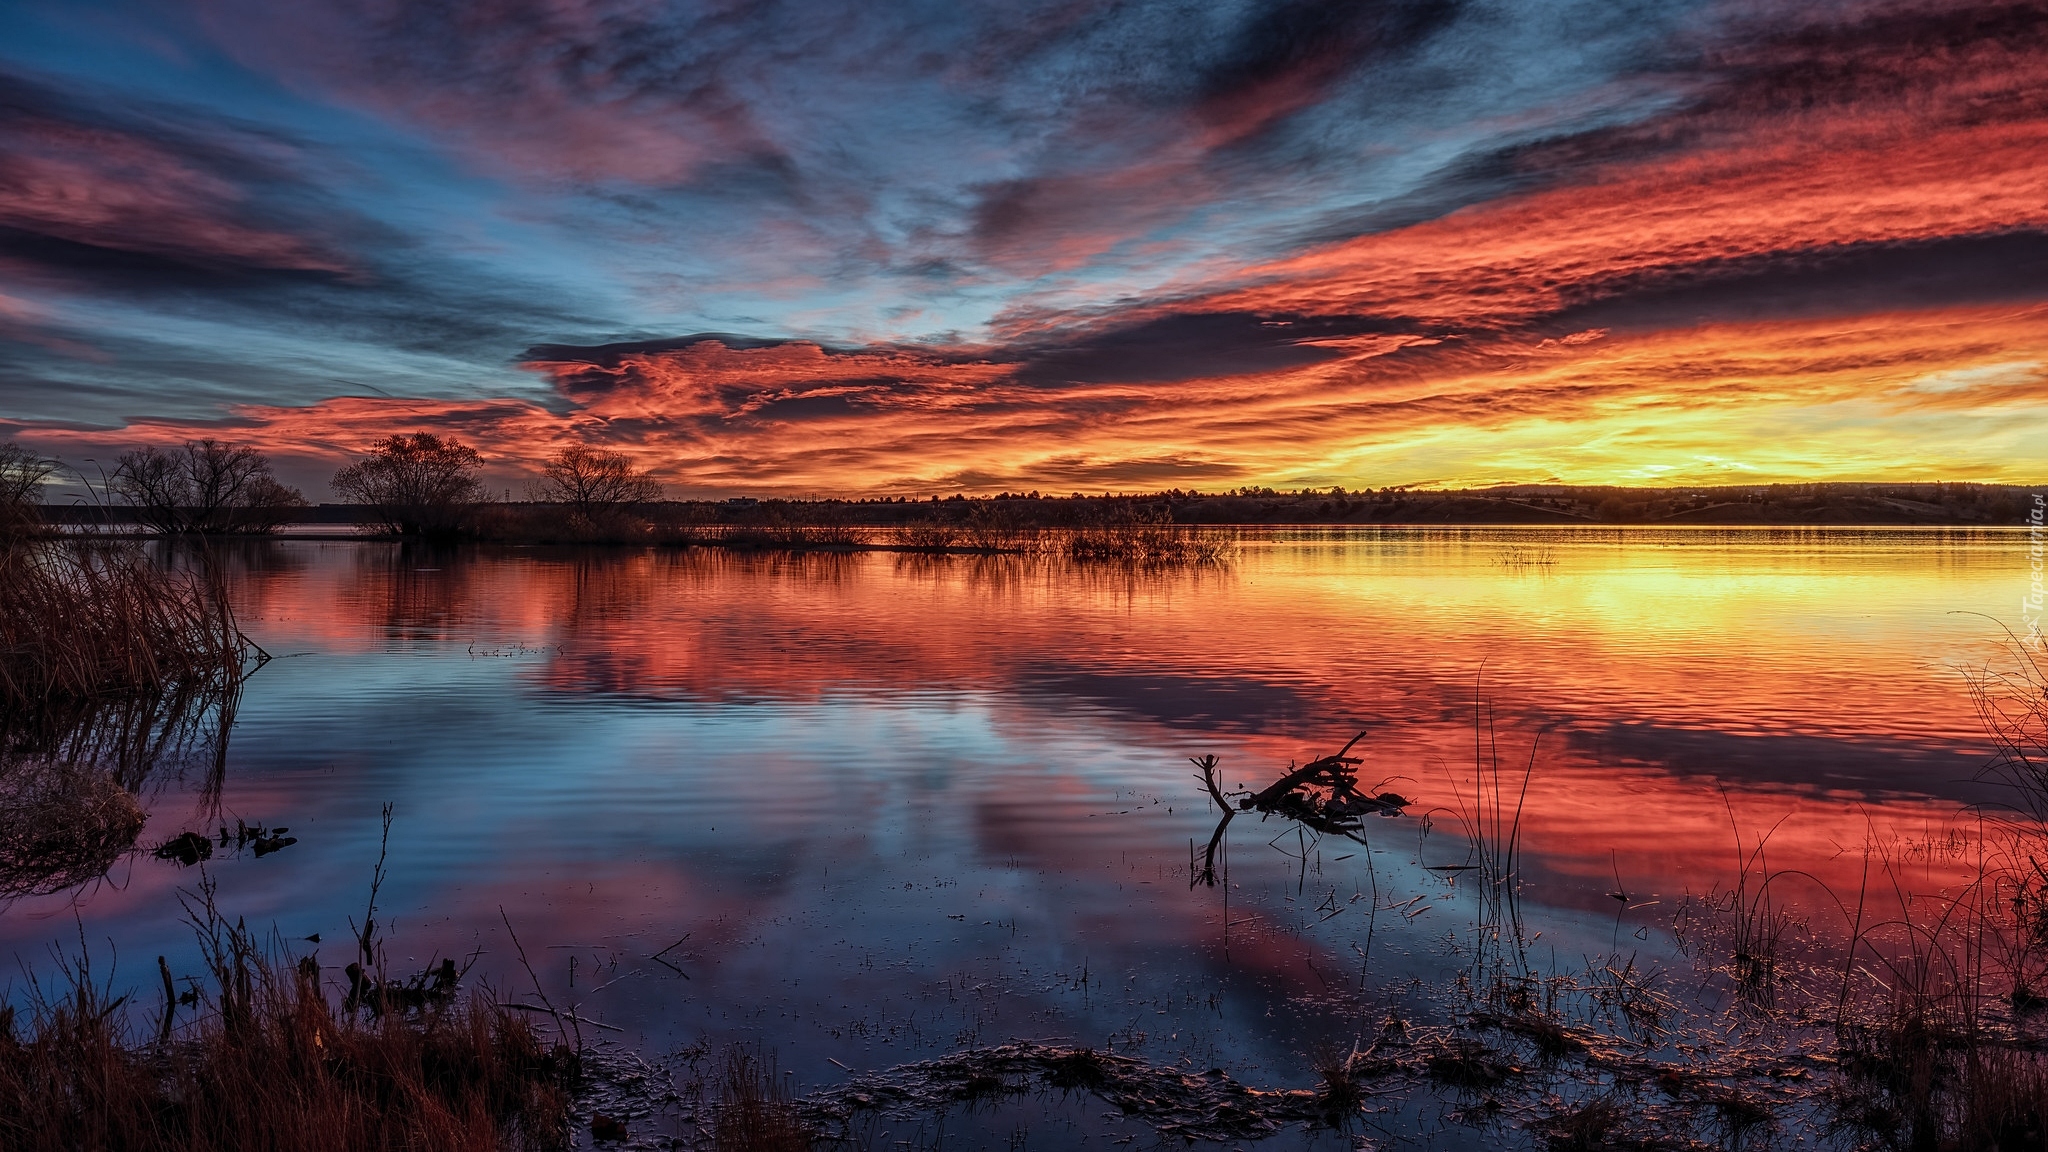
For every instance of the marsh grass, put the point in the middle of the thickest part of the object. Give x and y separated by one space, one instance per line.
267 1060
928 536
1490 815
1135 535
86 621
111 668
755 1110
62 825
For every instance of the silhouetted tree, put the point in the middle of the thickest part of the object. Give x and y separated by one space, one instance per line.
22 474
595 480
205 486
418 485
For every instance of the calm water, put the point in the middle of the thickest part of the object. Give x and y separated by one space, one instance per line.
892 806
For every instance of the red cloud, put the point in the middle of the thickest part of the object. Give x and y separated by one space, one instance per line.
113 188
1712 403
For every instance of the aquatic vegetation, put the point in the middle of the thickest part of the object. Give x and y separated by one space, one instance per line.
61 825
85 620
267 1060
111 668
1141 536
755 1112
928 536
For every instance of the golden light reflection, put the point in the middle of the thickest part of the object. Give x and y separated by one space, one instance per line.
1815 675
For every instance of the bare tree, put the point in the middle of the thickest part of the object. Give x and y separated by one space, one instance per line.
595 480
152 482
206 486
417 485
22 474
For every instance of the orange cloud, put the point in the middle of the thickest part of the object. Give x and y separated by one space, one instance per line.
1954 393
1815 267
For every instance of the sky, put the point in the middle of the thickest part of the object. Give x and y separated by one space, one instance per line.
902 248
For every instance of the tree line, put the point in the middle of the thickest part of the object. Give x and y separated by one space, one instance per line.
416 485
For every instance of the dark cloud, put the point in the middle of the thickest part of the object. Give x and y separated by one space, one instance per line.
614 354
1285 55
1196 345
102 192
1842 280
1878 57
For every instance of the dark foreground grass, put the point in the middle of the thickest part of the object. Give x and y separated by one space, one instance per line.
110 666
83 621
755 1111
271 1062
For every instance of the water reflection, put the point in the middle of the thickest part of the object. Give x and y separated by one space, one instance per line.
123 680
902 803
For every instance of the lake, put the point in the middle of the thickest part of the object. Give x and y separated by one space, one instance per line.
871 808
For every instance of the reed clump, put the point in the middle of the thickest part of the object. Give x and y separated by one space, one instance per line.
87 620
755 1111
61 825
565 524
270 1063
928 536
1142 536
110 666
782 525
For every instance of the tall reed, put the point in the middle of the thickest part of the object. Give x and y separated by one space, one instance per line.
86 620
269 1062
1137 536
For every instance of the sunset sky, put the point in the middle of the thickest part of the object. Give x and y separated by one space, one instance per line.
915 248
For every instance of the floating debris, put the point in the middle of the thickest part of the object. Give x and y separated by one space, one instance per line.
187 848
1205 1105
1322 795
435 985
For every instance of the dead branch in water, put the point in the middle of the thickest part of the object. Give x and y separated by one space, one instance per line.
1322 796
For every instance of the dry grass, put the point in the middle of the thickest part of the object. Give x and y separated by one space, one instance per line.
61 824
928 536
84 621
1955 1062
269 1062
1131 535
109 667
755 1112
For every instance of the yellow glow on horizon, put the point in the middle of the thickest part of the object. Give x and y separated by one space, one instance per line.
1954 394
